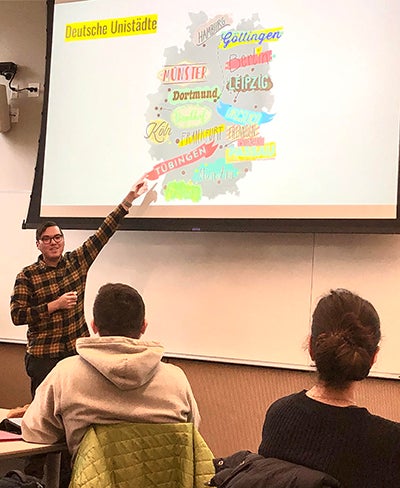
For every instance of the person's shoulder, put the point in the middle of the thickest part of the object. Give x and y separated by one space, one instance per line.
287 403
30 268
165 364
68 255
63 372
173 371
290 399
383 435
384 426
65 367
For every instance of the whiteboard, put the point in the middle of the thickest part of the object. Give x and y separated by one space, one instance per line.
370 266
240 298
18 249
213 296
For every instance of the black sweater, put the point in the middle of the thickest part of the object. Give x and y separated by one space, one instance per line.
359 449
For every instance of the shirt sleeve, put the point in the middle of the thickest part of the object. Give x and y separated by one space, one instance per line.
21 308
41 424
90 249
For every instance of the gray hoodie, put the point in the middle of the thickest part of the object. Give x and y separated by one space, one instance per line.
111 380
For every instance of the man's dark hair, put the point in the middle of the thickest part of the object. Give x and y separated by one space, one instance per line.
118 310
43 226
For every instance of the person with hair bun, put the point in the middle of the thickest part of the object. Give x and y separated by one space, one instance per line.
323 428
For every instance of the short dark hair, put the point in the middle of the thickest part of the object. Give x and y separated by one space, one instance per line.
118 310
43 226
345 334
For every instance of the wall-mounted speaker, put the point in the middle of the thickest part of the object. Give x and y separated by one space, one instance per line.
5 123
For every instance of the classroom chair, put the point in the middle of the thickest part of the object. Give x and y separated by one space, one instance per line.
142 456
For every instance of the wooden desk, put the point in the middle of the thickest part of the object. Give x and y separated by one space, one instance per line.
21 449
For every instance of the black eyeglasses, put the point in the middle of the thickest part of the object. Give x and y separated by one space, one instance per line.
47 239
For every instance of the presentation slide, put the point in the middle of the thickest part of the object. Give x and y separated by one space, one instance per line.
251 110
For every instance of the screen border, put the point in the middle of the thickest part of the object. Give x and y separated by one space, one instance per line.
272 225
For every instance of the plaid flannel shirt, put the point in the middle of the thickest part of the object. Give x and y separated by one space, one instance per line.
54 335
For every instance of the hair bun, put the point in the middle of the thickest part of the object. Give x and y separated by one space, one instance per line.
344 337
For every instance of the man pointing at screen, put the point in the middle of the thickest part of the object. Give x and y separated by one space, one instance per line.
49 294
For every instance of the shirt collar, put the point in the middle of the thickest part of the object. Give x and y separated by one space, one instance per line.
42 263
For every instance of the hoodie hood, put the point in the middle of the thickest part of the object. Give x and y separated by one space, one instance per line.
128 363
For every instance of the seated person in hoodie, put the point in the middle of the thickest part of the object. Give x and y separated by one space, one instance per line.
115 377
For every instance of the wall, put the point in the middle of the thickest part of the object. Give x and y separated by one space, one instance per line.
256 279
22 41
232 398
201 290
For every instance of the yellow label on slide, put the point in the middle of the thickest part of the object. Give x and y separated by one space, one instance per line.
106 28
